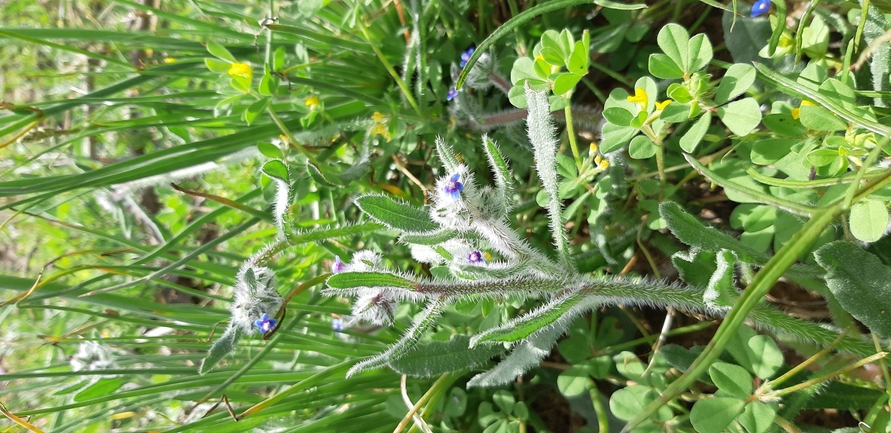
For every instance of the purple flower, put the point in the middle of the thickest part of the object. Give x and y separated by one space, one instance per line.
451 95
465 56
338 266
453 187
475 257
266 323
760 7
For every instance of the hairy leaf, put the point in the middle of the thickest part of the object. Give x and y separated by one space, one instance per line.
859 280
438 357
399 216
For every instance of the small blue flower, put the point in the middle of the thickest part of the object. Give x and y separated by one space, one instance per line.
760 7
337 324
338 266
266 323
451 95
453 187
475 257
465 56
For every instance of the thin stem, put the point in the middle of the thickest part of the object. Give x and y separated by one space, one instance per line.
438 387
570 132
599 409
291 140
828 376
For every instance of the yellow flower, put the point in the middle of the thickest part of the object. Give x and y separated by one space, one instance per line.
170 60
592 148
598 160
313 102
640 96
661 105
487 256
796 113
240 69
377 117
806 102
604 164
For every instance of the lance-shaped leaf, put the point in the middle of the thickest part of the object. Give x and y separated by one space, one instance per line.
320 234
859 280
353 280
408 341
225 344
446 155
396 215
277 170
721 293
542 136
503 179
524 326
439 357
691 232
435 237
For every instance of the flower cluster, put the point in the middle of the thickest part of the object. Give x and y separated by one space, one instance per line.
255 297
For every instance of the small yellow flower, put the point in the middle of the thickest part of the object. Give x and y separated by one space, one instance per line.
313 102
240 69
170 60
661 105
598 160
640 96
604 164
796 113
487 256
592 148
806 102
377 117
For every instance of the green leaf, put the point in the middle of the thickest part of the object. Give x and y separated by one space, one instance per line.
700 49
504 400
565 82
438 357
352 280
220 52
455 403
618 116
868 220
662 66
526 325
629 401
255 109
269 150
757 353
615 136
102 388
218 66
641 147
721 291
574 381
758 416
694 135
738 78
674 41
713 415
691 232
769 151
225 344
741 116
859 281
784 124
675 112
821 157
820 119
732 379
396 215
578 60
277 170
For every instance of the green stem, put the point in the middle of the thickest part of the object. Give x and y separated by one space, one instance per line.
599 409
291 140
432 395
828 376
570 132
383 59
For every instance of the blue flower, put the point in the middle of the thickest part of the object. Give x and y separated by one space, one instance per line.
337 324
760 7
266 323
465 56
475 257
453 187
451 95
338 266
